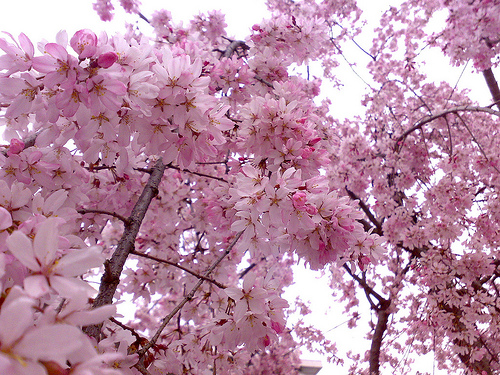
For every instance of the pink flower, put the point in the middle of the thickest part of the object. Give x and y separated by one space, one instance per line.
22 344
105 91
18 57
61 68
299 200
248 298
84 42
16 146
48 269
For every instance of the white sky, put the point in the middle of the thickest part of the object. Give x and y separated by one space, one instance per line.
42 19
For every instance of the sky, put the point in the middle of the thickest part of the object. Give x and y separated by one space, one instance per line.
42 19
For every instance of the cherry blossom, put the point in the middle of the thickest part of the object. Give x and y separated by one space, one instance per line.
179 178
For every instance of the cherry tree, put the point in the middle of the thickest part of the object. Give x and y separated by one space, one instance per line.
183 171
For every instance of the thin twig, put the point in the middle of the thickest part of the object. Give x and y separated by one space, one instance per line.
476 141
124 326
188 297
367 211
365 286
268 84
455 110
195 173
147 256
84 211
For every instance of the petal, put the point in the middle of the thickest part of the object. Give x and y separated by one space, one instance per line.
95 316
20 246
5 219
54 201
26 45
72 288
234 293
46 242
56 51
50 343
79 261
15 318
249 281
36 285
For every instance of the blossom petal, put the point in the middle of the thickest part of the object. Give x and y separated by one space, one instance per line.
15 318
46 241
50 343
36 285
21 247
79 261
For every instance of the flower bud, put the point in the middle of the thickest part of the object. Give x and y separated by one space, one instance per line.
107 59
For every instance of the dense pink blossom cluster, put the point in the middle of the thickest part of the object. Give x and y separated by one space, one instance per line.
187 174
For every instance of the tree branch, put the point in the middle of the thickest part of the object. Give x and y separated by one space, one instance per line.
124 326
84 211
367 212
113 267
427 119
383 317
492 86
29 141
196 173
233 47
188 297
147 256
368 289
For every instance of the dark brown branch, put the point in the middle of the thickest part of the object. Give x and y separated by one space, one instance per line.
147 256
383 315
195 173
492 86
113 268
144 170
268 84
143 17
188 297
367 212
246 270
140 367
138 337
366 287
84 211
234 46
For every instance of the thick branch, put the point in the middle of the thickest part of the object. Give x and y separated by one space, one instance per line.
188 297
492 86
383 315
113 268
233 47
